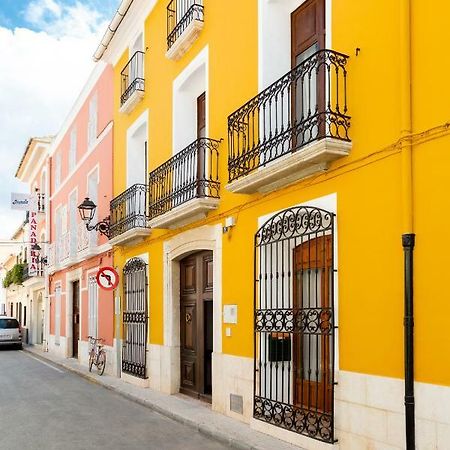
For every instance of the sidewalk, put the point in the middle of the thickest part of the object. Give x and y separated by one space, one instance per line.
184 410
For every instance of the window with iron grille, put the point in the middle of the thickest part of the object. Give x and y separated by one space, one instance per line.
294 322
135 318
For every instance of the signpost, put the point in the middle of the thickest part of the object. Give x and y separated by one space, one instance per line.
24 202
107 278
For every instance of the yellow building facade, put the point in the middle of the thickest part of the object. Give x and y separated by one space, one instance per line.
268 158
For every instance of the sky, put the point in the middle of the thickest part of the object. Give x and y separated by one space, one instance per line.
46 49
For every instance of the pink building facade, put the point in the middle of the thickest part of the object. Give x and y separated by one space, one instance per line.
81 166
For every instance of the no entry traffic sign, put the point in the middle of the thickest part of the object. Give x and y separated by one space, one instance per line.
107 278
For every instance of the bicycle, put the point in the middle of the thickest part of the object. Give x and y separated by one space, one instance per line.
97 355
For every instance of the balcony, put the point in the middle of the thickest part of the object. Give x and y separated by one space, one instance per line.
129 216
185 20
30 277
41 203
132 83
73 247
293 129
186 187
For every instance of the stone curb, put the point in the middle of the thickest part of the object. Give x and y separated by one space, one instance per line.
203 428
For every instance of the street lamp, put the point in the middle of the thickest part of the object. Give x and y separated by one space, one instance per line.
40 260
87 212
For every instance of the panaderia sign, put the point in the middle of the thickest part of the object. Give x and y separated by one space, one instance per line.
33 266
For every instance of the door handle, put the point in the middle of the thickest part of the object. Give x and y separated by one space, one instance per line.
188 318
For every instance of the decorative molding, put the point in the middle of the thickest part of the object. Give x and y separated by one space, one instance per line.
309 160
185 41
130 237
132 101
185 214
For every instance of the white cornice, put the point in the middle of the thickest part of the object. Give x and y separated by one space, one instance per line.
132 22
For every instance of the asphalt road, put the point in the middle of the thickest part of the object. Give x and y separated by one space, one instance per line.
46 407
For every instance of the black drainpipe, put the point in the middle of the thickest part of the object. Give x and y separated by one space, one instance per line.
408 241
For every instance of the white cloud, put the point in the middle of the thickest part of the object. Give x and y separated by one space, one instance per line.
58 19
42 74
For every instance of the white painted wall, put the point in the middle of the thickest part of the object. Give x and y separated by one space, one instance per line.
136 160
187 87
274 37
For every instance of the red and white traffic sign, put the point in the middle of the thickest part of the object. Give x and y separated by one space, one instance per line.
107 278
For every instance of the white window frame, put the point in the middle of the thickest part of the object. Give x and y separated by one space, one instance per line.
93 120
58 164
58 300
73 150
92 306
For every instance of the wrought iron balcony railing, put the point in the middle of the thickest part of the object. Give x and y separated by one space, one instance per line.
180 13
129 210
192 173
132 77
307 104
41 202
38 273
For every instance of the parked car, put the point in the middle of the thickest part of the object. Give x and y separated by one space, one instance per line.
10 332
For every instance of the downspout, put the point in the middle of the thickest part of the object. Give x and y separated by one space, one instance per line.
408 236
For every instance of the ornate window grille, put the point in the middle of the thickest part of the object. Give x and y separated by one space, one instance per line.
294 322
307 104
132 77
129 210
135 318
191 173
180 13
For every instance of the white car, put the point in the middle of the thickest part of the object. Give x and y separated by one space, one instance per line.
10 332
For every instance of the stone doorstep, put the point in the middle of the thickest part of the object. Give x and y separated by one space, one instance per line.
180 408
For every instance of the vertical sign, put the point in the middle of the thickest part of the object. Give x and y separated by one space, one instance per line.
33 265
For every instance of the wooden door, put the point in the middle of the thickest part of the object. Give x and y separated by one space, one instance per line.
201 116
75 317
201 157
312 294
196 296
307 37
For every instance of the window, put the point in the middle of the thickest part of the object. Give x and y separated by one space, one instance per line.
57 314
93 306
57 171
73 211
73 149
93 195
24 316
92 123
295 322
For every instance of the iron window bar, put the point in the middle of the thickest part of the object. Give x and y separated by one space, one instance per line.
180 13
307 104
135 318
129 210
294 322
132 77
191 173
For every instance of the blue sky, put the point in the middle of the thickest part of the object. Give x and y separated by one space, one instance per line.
46 48
12 12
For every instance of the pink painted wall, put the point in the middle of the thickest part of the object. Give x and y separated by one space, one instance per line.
105 299
87 159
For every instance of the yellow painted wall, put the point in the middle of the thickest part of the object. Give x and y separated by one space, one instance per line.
367 183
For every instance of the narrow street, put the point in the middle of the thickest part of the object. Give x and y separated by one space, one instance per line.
46 407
